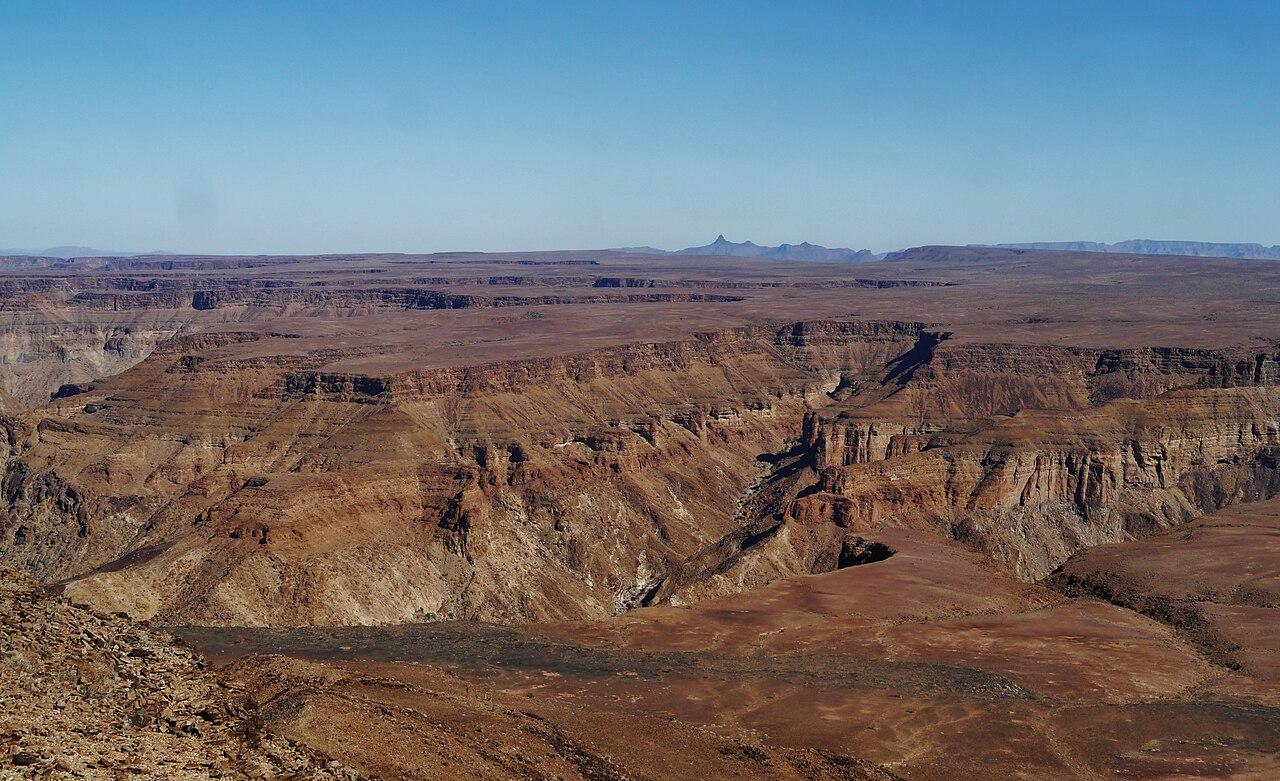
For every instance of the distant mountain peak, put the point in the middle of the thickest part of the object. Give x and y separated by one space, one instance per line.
803 251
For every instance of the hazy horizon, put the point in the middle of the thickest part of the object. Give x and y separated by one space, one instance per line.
63 250
393 128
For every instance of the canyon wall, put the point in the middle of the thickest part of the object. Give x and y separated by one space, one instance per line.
204 486
285 497
1029 453
37 358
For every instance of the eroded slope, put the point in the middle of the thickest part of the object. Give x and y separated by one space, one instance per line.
86 695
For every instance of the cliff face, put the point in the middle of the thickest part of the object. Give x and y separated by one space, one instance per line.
316 300
285 497
1034 489
35 359
1022 451
271 491
1116 418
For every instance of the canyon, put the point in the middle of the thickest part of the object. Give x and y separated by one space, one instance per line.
967 512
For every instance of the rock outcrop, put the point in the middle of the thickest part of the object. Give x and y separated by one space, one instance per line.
88 695
1012 449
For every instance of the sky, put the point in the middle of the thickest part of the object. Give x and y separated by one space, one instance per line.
374 126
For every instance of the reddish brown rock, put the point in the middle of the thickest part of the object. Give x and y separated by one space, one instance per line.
819 502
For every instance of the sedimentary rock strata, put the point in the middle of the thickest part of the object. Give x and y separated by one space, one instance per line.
707 456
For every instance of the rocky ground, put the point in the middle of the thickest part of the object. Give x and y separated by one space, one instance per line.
932 664
94 696
950 516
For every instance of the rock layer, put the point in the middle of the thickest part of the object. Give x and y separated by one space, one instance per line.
289 441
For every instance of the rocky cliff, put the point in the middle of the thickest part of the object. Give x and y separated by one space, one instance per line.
1028 453
417 495
606 479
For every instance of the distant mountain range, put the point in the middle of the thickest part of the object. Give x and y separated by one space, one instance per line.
74 252
1203 249
747 249
815 252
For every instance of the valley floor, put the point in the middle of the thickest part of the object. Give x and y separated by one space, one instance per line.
927 665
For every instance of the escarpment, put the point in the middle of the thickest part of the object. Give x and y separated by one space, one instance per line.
1035 488
838 345
575 476
36 358
650 473
1010 449
72 330
131 298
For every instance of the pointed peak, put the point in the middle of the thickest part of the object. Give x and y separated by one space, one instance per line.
749 249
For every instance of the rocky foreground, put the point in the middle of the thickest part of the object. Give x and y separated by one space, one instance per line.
95 696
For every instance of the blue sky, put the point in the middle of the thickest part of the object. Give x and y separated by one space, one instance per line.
316 127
